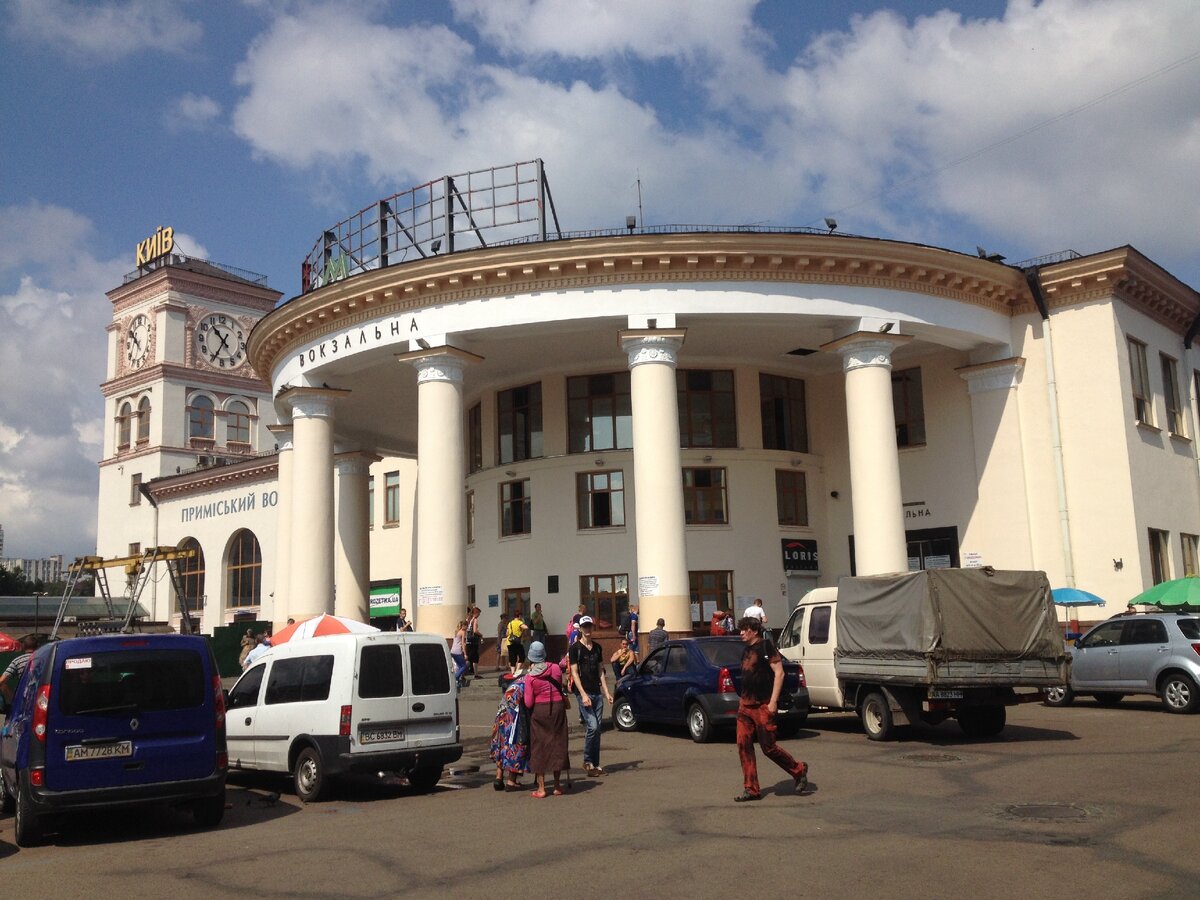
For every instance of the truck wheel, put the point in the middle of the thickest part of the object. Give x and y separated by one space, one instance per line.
876 717
1178 693
623 716
209 812
982 721
1109 699
699 724
1058 696
28 825
425 779
309 775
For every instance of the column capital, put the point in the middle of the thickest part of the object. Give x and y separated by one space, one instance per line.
354 463
284 436
999 375
866 349
311 402
652 345
443 363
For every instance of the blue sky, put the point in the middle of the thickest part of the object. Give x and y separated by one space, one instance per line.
249 127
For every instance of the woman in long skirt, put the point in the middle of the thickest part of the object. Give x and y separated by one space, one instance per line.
510 738
546 701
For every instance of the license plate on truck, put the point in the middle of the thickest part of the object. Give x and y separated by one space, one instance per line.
381 736
945 694
99 751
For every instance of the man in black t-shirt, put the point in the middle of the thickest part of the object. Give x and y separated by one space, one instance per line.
762 681
587 671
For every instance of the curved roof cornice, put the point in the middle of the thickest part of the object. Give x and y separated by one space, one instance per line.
637 259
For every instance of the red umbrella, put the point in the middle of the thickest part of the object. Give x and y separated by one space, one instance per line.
8 644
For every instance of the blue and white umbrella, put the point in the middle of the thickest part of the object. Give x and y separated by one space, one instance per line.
1074 597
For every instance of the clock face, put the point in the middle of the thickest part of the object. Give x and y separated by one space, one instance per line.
137 342
221 340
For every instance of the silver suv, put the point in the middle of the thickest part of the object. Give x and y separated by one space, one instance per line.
1156 653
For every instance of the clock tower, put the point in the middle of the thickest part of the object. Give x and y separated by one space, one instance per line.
179 393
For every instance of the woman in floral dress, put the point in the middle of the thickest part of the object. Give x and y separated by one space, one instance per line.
510 737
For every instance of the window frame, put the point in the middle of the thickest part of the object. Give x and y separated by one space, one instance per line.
1160 555
783 407
391 498
604 594
582 415
908 419
587 495
1189 544
143 417
1139 379
239 570
510 502
721 592
202 417
524 422
475 438
237 424
135 496
124 425
1171 398
191 569
799 493
694 494
700 405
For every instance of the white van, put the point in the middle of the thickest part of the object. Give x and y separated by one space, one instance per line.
323 706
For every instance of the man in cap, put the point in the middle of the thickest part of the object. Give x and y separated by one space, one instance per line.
587 672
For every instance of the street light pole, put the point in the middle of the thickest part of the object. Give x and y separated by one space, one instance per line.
37 609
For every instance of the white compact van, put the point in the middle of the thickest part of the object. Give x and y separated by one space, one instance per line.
323 706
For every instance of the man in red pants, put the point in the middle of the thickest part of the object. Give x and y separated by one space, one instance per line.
762 680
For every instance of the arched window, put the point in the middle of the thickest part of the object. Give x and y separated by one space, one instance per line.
123 424
237 430
191 576
200 417
143 429
245 570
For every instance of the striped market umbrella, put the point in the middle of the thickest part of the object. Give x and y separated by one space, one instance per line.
1181 594
319 626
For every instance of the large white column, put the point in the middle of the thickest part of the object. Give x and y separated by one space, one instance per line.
879 543
311 582
352 545
283 526
441 577
662 587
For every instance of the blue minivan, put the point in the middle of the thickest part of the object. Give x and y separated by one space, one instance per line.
115 720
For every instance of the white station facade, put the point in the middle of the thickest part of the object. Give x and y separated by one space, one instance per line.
685 420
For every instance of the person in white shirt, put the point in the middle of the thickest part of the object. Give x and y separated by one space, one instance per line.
755 610
264 644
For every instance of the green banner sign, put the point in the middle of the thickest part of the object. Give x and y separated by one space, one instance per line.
385 601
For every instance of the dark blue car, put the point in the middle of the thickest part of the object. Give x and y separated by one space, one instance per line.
116 720
696 682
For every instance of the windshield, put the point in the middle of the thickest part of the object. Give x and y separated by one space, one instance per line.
126 680
1190 628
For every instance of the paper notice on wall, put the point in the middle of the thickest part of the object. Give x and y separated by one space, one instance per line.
648 586
972 559
433 595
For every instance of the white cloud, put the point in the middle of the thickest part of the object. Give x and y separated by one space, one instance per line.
192 113
106 30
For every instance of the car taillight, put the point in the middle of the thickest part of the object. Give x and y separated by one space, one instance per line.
37 777
344 722
219 702
725 682
41 713
803 683
1196 649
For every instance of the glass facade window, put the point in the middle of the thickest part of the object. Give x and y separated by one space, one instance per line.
519 423
200 418
784 417
600 499
1139 377
1160 556
704 497
245 570
475 438
706 408
710 591
791 497
191 576
1189 546
237 423
909 408
124 425
391 498
135 494
515 512
599 413
470 517
143 417
605 597
1170 377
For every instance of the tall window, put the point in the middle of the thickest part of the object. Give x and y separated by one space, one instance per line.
710 591
470 517
124 417
599 413
143 417
600 499
371 502
516 602
1170 377
1160 556
1189 542
245 570
605 597
704 498
784 419
515 513
135 493
791 497
237 423
706 408
519 422
200 417
391 498
475 438
191 576
1140 379
909 408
